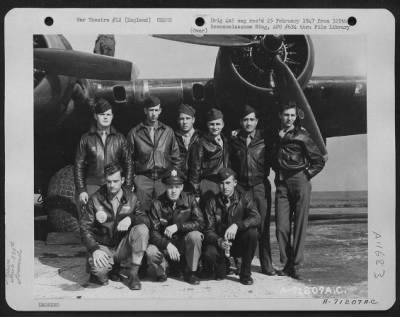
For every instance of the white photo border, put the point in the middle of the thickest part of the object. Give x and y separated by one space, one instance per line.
378 25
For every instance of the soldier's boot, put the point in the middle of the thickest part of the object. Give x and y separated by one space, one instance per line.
114 273
220 269
133 281
191 277
99 280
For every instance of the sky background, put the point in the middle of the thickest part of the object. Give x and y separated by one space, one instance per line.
335 55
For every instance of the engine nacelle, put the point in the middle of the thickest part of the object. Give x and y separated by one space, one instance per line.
245 75
52 93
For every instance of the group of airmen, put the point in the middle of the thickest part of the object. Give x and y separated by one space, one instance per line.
163 201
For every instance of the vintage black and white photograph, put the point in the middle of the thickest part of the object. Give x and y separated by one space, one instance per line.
215 168
195 123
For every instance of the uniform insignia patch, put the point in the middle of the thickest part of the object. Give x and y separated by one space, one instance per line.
101 216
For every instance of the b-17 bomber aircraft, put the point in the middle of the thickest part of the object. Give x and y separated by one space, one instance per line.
261 70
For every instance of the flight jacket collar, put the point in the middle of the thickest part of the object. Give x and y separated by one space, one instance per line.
234 199
182 201
159 125
209 137
103 197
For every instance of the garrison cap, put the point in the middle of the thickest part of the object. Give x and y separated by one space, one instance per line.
214 114
101 106
247 110
173 177
225 173
151 101
186 109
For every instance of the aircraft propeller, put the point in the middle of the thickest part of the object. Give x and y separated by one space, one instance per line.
288 82
83 65
293 89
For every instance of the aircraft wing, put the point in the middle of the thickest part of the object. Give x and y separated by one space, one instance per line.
339 104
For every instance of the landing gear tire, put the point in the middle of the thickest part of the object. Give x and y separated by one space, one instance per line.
62 212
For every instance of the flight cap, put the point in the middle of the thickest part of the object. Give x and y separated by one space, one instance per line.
151 101
186 109
247 110
214 114
102 106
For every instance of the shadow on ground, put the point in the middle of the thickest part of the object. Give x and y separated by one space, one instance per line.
336 255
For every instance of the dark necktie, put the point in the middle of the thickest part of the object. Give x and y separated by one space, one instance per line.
227 202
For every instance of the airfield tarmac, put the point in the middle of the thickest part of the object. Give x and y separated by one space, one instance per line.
336 258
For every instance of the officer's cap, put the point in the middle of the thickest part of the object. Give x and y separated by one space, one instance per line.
173 177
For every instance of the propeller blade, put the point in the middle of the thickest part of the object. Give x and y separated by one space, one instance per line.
84 65
295 93
210 40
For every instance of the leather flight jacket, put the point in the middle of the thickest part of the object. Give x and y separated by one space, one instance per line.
153 159
206 159
295 152
242 211
98 223
249 162
92 155
186 215
185 153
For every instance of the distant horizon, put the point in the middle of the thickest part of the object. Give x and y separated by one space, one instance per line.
327 191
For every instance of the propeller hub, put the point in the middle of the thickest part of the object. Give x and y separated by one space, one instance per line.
272 43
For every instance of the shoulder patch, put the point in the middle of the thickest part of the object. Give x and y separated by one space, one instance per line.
101 216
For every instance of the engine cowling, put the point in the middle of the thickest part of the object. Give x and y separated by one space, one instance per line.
251 66
52 93
245 75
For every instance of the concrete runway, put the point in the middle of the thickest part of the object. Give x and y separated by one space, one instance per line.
336 266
